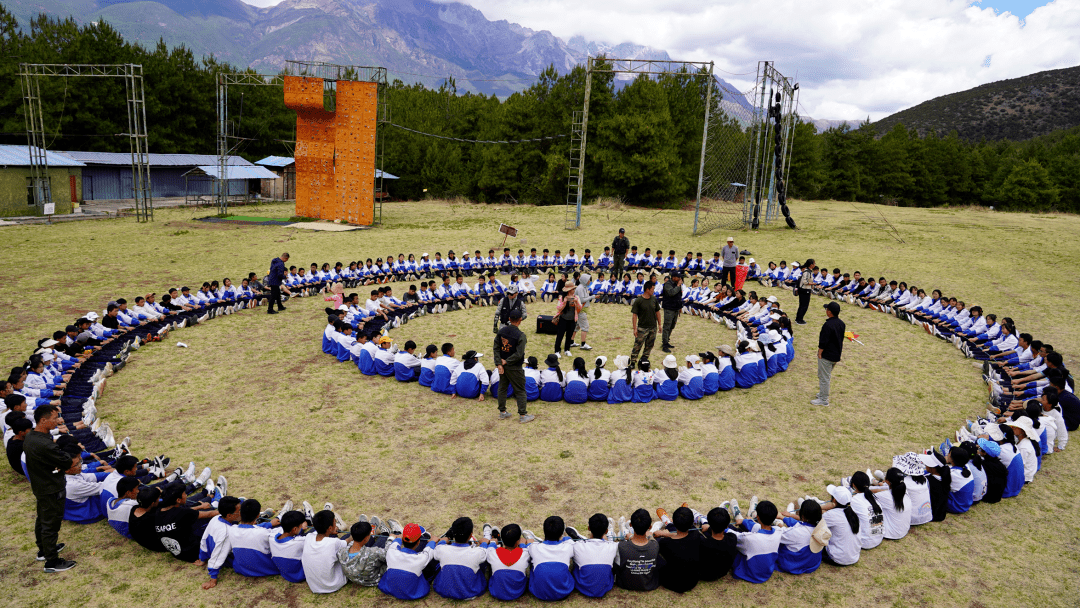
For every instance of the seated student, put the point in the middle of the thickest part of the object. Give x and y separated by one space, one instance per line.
384 356
895 502
460 576
576 383
509 564
363 558
179 528
996 472
364 351
978 471
141 520
118 510
322 570
532 379
666 380
552 380
691 382
680 550
758 544
215 548
725 363
427 366
19 429
938 479
594 558
251 542
1014 463
718 544
962 482
1026 437
746 365
469 379
710 374
551 579
599 381
642 383
548 291
871 517
82 504
409 565
444 370
638 558
125 466
287 545
406 364
620 391
800 553
844 548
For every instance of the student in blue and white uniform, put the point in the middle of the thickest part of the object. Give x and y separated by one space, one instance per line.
962 482
409 565
251 543
758 545
407 364
509 564
551 579
642 383
460 576
594 558
747 372
444 370
364 351
691 382
666 380
287 546
599 381
576 384
532 379
799 553
710 375
469 378
118 510
215 547
552 380
548 291
384 357
620 390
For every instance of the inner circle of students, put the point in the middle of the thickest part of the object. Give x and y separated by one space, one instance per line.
50 413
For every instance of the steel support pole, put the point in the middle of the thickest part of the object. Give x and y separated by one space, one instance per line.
704 143
222 186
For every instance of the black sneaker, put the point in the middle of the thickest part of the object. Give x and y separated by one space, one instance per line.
271 312
59 565
666 349
801 322
573 533
59 548
280 307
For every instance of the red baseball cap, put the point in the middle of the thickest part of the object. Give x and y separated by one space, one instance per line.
412 533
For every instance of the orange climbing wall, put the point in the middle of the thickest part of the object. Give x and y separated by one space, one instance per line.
335 151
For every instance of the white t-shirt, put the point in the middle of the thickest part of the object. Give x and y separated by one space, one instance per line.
920 501
321 566
844 547
871 525
897 523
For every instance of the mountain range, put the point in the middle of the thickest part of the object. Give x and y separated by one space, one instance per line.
416 40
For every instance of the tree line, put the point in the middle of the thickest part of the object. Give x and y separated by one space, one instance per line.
644 137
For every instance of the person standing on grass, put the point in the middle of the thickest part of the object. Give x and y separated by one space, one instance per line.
806 282
730 255
619 247
46 465
672 304
509 358
566 314
274 280
645 318
830 347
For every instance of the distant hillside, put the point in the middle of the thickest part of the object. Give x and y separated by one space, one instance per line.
1016 109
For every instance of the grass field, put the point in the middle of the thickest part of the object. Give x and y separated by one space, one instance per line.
254 398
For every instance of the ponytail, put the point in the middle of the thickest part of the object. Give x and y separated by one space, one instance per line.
672 373
860 481
599 368
897 487
579 367
558 372
852 518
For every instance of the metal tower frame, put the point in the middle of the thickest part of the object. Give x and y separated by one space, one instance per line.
765 164
32 73
330 74
575 182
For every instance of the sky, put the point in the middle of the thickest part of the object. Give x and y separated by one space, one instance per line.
853 58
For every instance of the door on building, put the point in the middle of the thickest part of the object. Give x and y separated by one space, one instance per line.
88 187
127 189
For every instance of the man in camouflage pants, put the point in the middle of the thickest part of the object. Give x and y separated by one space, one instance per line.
645 313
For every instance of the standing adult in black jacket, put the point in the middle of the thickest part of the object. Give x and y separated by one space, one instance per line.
671 302
46 465
619 247
830 347
274 280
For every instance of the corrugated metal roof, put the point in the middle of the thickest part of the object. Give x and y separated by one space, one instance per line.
276 161
248 172
19 156
385 174
156 160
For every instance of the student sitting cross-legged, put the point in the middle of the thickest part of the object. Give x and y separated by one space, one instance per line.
322 570
551 579
469 379
460 576
287 545
363 559
594 559
509 563
800 550
759 545
409 565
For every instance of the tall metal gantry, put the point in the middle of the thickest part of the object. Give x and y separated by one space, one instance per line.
776 98
330 74
575 182
132 74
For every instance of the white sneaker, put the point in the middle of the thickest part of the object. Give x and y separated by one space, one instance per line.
189 474
790 507
287 507
203 477
223 485
585 346
568 354
819 402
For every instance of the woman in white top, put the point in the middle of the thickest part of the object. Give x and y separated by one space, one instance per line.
844 548
895 504
917 487
871 517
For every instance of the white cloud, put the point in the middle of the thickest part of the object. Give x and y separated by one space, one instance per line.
854 58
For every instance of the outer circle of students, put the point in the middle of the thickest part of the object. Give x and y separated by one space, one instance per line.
1032 410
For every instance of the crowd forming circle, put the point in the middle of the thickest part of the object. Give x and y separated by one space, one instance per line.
1031 409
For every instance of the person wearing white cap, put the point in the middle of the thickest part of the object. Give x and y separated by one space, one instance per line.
753 271
749 365
620 391
917 487
844 548
666 381
1027 444
599 381
730 254
469 379
690 379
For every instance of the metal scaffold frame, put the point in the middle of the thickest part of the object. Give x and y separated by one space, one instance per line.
31 75
575 182
776 99
330 74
